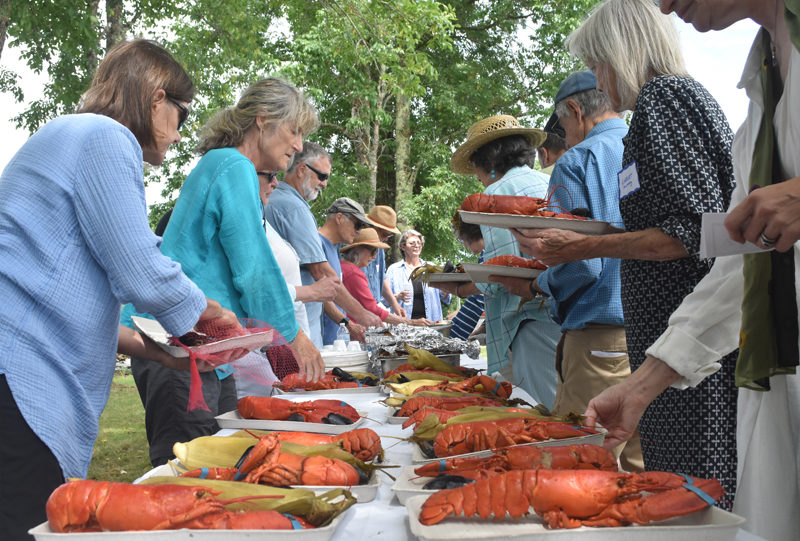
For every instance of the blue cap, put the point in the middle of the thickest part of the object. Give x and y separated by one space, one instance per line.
574 83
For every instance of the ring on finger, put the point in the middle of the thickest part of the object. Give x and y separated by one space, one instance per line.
766 242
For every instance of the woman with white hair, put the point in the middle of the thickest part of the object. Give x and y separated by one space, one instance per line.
418 299
677 165
216 233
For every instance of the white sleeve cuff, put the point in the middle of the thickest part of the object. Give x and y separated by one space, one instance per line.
687 356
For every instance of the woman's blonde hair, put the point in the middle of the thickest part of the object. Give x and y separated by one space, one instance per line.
126 81
273 98
634 39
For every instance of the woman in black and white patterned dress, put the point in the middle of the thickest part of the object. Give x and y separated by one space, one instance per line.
676 166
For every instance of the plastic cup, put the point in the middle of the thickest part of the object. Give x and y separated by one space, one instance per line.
339 345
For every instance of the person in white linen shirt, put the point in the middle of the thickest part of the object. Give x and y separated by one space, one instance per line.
320 291
706 325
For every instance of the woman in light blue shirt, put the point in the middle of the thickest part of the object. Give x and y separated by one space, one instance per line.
74 246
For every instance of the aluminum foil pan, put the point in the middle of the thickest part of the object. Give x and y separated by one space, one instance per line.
391 341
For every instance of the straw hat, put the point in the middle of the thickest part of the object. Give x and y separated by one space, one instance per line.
365 237
487 130
385 218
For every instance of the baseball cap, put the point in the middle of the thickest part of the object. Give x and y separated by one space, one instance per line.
345 205
574 83
554 126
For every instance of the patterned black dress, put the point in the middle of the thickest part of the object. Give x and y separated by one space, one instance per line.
680 141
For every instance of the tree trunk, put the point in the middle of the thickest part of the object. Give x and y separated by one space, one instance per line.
115 31
5 18
402 155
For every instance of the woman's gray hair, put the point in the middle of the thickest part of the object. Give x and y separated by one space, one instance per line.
410 233
273 98
634 39
354 254
592 102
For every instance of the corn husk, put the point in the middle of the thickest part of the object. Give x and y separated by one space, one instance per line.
420 358
413 376
423 272
409 387
318 510
225 452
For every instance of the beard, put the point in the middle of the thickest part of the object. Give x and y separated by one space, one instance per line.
309 193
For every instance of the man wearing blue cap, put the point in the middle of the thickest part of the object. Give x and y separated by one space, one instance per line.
585 295
554 146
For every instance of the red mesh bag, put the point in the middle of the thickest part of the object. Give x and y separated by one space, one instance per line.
282 359
206 343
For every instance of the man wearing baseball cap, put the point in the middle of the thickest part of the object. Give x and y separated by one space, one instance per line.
344 219
384 220
585 295
554 146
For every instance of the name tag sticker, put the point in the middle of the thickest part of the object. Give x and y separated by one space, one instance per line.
628 181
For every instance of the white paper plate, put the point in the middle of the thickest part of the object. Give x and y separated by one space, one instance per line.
232 419
160 336
512 221
712 524
480 272
42 532
597 439
435 277
362 493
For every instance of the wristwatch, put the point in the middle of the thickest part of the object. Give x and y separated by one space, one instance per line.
345 321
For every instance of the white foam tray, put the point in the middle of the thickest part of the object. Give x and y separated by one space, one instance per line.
480 272
42 532
436 277
362 493
393 420
513 221
408 484
233 419
712 524
160 336
597 439
364 389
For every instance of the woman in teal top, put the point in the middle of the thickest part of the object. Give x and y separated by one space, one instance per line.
217 235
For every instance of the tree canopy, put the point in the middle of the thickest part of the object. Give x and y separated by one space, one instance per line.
397 84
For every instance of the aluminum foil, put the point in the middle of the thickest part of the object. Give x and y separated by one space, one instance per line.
391 340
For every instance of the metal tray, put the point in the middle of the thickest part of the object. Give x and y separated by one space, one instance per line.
522 221
712 524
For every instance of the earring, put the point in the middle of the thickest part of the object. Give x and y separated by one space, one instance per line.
492 174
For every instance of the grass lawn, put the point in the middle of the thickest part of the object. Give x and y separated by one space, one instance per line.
120 452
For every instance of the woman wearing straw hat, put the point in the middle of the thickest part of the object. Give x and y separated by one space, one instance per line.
384 218
355 257
500 152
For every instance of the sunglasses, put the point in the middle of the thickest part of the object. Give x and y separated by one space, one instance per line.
183 109
270 176
358 225
320 175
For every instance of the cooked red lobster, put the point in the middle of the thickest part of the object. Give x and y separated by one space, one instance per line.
573 498
332 379
462 438
93 506
333 412
513 204
516 261
477 384
524 457
264 463
451 403
362 443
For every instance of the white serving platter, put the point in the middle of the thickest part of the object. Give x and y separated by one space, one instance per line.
362 493
364 389
521 221
712 524
394 420
408 484
417 457
233 419
42 532
480 272
436 277
153 330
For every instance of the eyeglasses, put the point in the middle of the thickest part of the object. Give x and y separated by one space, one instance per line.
320 175
269 175
183 109
358 225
